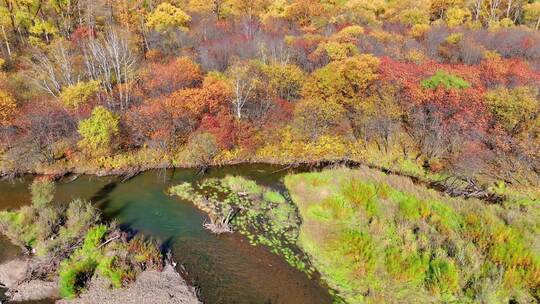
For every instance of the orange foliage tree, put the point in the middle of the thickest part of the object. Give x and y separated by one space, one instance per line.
165 78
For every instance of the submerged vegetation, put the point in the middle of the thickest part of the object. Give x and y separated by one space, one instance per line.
265 216
72 245
378 238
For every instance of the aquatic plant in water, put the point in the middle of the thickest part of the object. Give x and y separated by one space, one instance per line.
265 216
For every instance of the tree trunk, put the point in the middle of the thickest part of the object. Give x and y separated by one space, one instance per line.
7 42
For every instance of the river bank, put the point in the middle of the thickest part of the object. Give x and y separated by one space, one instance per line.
354 226
166 286
127 167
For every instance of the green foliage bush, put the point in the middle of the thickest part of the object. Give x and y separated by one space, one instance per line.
274 197
241 184
443 78
442 276
19 226
98 131
82 264
42 192
73 276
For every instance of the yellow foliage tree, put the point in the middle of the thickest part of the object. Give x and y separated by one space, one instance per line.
335 50
314 118
343 82
516 109
306 13
7 106
286 80
348 34
167 16
457 16
532 14
408 11
80 93
363 11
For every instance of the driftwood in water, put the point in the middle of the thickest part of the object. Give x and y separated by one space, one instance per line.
131 173
221 223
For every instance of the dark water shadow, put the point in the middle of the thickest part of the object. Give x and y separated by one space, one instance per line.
104 192
167 245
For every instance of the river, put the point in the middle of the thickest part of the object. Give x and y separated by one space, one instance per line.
226 268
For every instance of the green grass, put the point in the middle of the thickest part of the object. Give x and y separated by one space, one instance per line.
379 238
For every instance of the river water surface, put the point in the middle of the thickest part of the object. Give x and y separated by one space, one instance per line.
226 268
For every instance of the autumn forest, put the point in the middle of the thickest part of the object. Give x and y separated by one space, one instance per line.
432 86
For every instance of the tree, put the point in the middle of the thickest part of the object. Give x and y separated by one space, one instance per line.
285 80
516 131
98 131
46 125
314 118
378 117
181 73
250 91
456 16
80 93
7 106
166 17
40 30
54 70
516 109
409 12
201 149
305 12
249 8
532 14
363 12
214 96
335 50
111 61
343 82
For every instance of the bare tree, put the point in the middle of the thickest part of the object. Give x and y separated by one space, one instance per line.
243 87
53 71
110 60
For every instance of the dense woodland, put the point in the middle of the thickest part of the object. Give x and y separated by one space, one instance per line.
436 86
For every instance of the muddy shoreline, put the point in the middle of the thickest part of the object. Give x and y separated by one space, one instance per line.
167 286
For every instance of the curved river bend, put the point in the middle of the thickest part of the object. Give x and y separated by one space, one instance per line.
226 268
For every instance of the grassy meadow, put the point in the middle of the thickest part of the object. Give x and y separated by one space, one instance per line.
377 238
